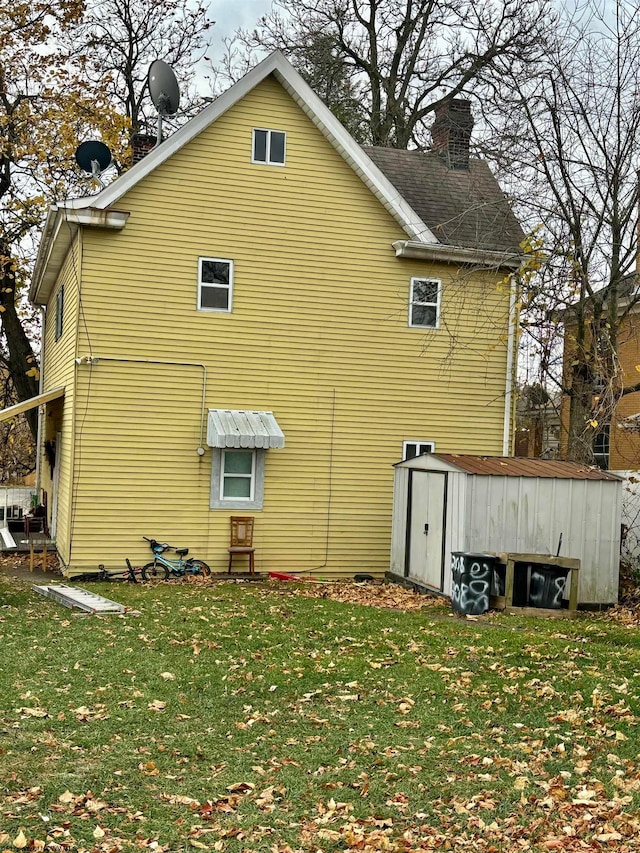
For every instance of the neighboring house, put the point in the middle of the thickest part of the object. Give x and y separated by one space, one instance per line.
537 424
616 443
260 318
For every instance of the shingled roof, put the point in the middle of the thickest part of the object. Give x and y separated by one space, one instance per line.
463 207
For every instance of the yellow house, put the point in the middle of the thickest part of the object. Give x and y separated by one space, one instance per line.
260 318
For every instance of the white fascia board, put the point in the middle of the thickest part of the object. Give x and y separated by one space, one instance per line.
457 254
320 115
59 232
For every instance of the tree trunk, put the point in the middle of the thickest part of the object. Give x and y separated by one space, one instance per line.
580 439
21 361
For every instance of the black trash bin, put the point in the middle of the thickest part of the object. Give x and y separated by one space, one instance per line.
546 585
472 575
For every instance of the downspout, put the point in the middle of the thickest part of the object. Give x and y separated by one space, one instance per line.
43 318
512 341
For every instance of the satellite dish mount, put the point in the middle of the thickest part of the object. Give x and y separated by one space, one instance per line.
93 157
164 91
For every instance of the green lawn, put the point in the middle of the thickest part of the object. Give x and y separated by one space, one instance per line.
250 718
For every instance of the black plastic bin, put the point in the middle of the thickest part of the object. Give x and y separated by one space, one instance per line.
472 575
546 585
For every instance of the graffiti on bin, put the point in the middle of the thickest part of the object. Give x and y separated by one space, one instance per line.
471 585
546 588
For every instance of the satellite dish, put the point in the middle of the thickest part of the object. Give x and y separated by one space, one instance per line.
93 157
163 88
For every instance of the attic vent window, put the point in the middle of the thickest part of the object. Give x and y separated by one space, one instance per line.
268 147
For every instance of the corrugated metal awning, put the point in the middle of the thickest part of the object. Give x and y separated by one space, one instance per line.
243 429
31 403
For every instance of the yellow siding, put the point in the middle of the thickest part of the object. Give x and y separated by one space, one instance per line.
59 370
318 334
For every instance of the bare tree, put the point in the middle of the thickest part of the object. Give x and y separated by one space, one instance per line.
574 139
401 59
43 111
117 40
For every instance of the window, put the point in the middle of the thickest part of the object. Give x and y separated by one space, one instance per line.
237 479
424 307
601 448
268 147
59 313
215 284
410 449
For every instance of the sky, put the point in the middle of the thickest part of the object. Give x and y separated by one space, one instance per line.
231 14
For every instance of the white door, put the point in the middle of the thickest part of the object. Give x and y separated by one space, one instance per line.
426 527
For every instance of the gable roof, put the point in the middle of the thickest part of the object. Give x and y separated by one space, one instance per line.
393 189
462 207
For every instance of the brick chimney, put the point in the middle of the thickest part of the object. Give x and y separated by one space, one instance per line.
451 132
141 144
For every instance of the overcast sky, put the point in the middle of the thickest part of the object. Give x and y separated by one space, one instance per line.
231 14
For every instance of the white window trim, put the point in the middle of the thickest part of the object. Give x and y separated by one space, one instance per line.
202 284
216 500
432 446
268 161
413 302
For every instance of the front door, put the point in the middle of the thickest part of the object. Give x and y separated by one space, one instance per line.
426 527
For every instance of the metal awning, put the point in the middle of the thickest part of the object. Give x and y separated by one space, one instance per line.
243 429
31 403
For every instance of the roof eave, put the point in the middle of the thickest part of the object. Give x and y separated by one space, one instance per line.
59 232
458 254
276 64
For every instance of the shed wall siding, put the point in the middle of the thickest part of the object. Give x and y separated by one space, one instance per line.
318 335
528 515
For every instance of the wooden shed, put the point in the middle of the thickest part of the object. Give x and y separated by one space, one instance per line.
446 503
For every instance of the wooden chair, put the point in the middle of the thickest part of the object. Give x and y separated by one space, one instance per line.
241 539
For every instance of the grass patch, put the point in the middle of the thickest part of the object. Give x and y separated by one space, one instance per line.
250 718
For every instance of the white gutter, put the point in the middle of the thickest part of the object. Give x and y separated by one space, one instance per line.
456 254
512 342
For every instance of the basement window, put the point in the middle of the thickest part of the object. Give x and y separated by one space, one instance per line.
215 284
268 146
411 449
424 303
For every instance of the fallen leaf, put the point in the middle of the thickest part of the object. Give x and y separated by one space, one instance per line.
20 841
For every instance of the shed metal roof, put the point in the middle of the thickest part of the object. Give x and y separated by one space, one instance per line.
507 466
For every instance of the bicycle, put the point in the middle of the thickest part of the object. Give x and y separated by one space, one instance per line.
130 574
162 567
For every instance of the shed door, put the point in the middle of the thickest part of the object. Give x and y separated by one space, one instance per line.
426 527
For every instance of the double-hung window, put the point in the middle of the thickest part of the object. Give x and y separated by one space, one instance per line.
601 448
424 303
215 284
237 479
268 146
